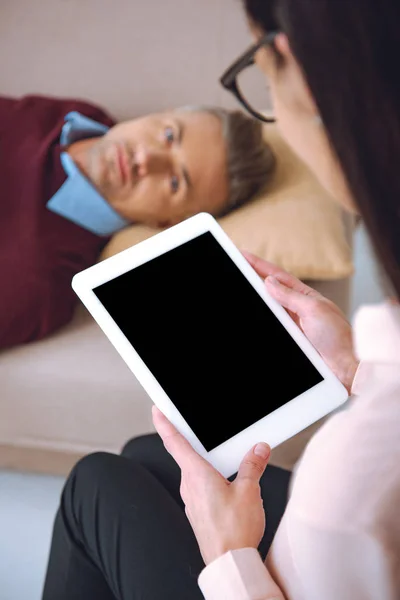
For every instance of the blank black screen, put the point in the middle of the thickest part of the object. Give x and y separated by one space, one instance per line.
212 343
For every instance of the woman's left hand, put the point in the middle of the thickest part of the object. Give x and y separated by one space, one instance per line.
224 516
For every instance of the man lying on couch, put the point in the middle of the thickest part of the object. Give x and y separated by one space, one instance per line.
71 177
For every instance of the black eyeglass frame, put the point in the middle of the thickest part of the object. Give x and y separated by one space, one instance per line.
229 78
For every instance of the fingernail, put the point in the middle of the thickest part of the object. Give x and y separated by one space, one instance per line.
262 450
272 280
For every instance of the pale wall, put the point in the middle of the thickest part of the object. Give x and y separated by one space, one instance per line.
131 56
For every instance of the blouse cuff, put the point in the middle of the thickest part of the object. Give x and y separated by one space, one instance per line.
238 575
362 374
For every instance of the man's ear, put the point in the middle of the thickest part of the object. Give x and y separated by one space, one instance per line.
163 224
173 221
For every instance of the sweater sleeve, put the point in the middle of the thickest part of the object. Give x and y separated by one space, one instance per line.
238 575
40 251
7 106
32 307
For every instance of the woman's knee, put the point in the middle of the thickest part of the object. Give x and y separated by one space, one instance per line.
90 472
94 465
138 448
85 484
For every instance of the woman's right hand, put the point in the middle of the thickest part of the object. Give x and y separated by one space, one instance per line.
321 320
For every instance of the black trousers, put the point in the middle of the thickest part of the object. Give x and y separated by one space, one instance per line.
121 532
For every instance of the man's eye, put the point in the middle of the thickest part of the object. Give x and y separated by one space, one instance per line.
174 184
169 135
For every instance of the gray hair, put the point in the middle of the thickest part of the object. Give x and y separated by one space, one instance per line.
250 161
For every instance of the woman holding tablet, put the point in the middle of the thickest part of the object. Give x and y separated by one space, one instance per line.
121 531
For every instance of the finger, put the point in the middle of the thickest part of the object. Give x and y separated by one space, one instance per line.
174 442
295 284
291 299
254 463
294 318
262 267
265 269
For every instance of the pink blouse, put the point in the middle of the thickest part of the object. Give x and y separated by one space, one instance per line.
339 538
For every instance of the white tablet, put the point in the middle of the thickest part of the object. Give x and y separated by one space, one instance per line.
221 359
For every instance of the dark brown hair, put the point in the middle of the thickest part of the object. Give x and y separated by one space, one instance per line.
349 52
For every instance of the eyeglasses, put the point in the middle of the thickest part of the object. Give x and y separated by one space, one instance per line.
230 79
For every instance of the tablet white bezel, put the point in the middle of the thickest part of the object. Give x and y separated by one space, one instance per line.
274 428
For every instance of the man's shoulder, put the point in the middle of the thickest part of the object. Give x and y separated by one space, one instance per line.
48 112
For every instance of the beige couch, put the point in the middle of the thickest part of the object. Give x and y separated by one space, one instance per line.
71 393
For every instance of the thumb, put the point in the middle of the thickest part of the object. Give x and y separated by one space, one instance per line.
289 298
254 463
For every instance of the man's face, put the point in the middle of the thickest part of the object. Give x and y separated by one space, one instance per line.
162 168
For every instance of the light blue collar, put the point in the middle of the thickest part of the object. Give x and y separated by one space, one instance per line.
77 199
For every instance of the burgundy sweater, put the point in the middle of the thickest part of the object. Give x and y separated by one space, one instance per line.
40 251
